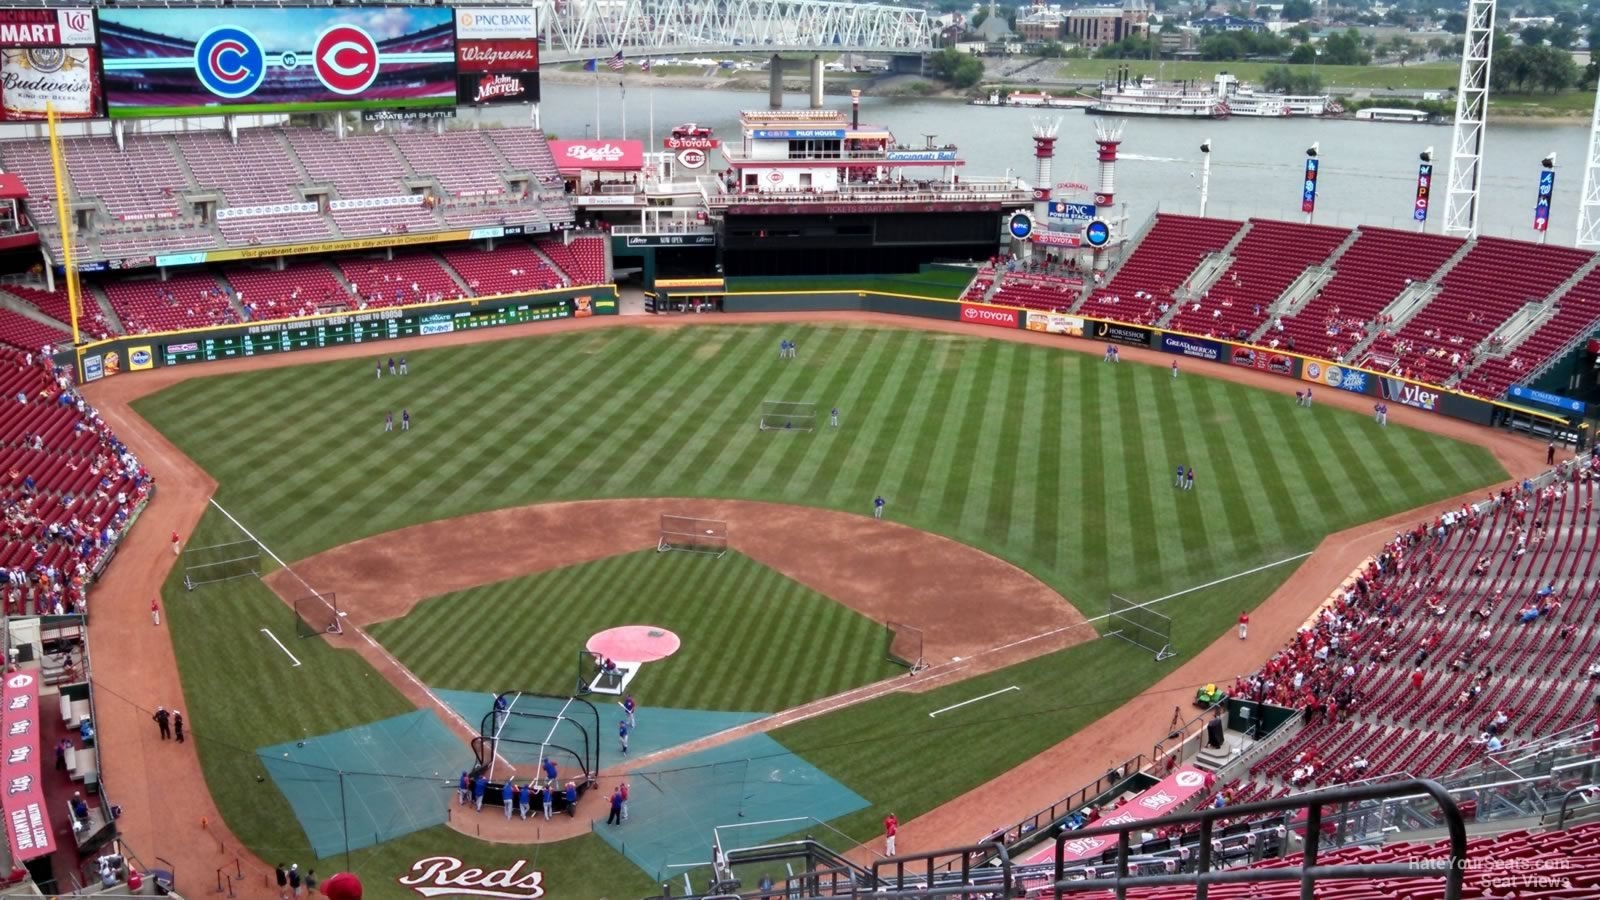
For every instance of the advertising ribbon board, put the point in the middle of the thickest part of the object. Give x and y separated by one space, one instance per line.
47 28
1123 334
997 316
27 820
1545 398
1356 381
1167 795
1199 348
1263 360
1054 323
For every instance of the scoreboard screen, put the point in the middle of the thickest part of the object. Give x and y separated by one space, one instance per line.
356 328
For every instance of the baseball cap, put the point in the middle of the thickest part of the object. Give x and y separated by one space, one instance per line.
343 886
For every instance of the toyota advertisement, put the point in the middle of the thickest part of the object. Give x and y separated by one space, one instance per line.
497 56
997 316
175 62
48 57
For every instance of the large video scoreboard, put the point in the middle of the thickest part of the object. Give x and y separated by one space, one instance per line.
357 328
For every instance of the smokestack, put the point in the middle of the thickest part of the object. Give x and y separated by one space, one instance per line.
855 108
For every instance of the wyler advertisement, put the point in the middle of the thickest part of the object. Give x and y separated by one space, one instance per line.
165 62
33 79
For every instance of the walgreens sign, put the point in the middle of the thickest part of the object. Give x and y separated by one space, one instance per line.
998 316
497 56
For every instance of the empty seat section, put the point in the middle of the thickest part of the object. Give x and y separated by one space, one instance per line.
1163 260
301 288
1269 259
510 268
189 300
408 278
583 260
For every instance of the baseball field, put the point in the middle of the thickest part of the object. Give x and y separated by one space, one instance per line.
1053 463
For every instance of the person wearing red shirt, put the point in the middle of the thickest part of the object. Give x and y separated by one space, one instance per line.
176 543
1244 625
891 826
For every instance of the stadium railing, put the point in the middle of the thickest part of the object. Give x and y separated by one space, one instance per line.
1451 868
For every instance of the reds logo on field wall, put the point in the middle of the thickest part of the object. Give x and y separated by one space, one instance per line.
446 876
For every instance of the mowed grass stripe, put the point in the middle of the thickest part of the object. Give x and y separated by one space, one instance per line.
731 614
1251 409
587 414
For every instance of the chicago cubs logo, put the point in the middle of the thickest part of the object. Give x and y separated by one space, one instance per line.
229 62
346 59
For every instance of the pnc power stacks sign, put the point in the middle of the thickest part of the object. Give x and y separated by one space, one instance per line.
497 56
48 57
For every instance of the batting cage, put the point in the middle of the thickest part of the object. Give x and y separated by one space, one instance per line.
784 415
692 534
905 646
221 562
318 613
1141 626
524 728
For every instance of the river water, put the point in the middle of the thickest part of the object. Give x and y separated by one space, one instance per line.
1368 172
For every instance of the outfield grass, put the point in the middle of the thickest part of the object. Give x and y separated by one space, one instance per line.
731 613
1421 76
1052 460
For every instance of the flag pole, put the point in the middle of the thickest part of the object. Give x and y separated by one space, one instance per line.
597 101
622 90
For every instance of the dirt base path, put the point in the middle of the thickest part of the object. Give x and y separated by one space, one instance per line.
162 791
883 570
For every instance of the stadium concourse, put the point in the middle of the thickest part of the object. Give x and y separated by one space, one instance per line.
164 786
1433 308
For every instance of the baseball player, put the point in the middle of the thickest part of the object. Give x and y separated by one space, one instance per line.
891 827
405 420
388 421
392 369
622 735
548 797
463 789
177 543
480 786
377 369
833 417
1179 482
629 706
404 370
1174 368
877 507
508 796
1244 625
1188 479
525 796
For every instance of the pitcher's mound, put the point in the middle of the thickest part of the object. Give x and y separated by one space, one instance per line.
634 643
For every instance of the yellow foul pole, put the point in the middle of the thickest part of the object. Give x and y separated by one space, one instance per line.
63 220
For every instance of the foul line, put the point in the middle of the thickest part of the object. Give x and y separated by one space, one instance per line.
360 632
1004 690
280 646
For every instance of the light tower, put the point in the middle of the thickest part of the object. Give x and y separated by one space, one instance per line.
1589 201
1472 110
1107 137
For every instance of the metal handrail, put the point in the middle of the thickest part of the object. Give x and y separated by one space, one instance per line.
1566 801
1308 873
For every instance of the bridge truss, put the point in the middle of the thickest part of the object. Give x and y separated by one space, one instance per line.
580 29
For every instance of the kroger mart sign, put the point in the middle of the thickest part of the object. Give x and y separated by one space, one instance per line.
489 24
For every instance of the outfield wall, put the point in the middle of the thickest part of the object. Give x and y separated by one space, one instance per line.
135 353
1310 371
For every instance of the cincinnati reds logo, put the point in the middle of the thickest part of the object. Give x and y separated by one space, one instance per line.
229 62
346 59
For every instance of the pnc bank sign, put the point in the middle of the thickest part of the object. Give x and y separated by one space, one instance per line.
489 24
446 876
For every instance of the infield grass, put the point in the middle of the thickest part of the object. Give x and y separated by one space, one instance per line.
732 615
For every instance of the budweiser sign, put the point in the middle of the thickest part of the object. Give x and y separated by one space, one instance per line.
32 80
498 87
446 876
497 56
